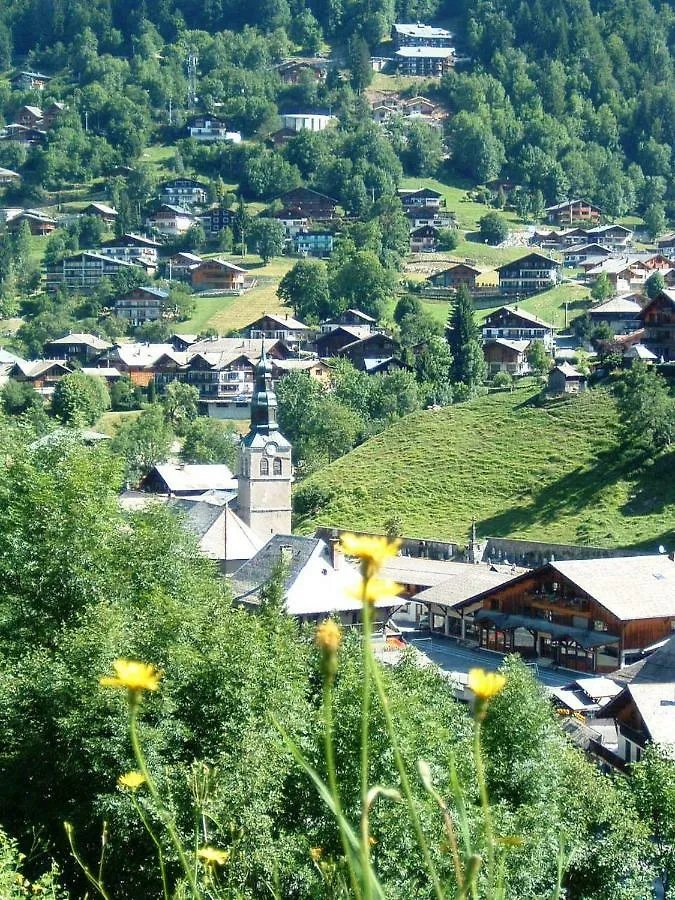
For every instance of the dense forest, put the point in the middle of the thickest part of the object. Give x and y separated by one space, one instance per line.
563 99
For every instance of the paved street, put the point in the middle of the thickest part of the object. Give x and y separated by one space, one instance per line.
450 657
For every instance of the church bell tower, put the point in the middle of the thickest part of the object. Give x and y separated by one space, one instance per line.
265 469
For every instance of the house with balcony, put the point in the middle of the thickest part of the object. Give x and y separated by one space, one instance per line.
329 343
503 355
293 221
417 34
102 211
171 220
77 347
30 81
376 352
143 304
209 130
514 324
83 271
622 314
278 328
218 275
425 61
42 374
39 223
454 277
309 204
31 116
624 274
581 253
132 248
313 243
424 197
591 615
419 216
573 211
424 239
658 321
616 237
354 318
528 274
183 192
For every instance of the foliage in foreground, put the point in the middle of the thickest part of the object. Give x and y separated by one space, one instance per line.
85 583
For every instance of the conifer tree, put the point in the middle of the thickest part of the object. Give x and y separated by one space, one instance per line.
463 336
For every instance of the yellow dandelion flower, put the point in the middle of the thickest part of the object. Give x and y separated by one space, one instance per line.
485 684
372 551
375 589
211 856
133 675
328 636
372 841
131 780
316 853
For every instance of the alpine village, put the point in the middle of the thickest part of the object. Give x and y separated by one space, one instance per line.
337 450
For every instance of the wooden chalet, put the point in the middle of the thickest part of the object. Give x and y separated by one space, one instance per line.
371 352
217 275
102 211
592 615
311 204
528 274
278 327
329 343
516 324
502 355
658 321
459 275
573 211
42 374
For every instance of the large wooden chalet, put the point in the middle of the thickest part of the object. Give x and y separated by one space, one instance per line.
573 211
658 321
516 324
593 615
311 204
528 274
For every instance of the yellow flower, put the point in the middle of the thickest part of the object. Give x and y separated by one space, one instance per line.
211 856
375 589
372 551
131 780
133 675
372 841
328 636
316 853
485 684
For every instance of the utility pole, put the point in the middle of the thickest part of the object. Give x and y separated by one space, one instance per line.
170 110
86 120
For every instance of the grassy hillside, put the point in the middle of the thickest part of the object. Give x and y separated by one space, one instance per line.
549 472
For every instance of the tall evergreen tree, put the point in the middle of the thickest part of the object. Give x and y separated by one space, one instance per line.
463 336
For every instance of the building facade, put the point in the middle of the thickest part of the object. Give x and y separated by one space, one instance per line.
529 274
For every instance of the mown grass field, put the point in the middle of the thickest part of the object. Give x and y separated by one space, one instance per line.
552 473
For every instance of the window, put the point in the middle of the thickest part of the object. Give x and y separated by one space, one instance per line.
276 466
264 466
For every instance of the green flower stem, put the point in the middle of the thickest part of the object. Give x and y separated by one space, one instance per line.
484 802
332 777
405 783
365 725
95 882
160 854
154 793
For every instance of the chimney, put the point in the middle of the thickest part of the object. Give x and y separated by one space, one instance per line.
335 552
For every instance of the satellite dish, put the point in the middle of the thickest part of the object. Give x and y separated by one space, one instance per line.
662 549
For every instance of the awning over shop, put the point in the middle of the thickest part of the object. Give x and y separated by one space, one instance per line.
582 636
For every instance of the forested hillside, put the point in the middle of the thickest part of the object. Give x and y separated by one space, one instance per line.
563 98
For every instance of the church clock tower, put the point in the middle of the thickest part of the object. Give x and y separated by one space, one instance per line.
265 470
